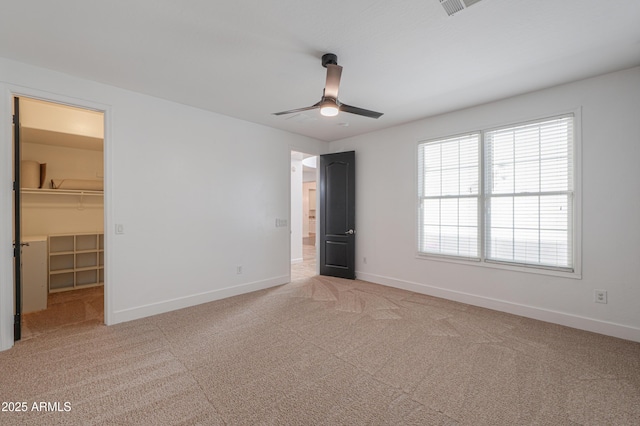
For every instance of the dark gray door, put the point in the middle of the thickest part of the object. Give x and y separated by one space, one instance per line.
337 215
17 240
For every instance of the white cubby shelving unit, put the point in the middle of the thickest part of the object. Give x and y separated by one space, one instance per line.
75 261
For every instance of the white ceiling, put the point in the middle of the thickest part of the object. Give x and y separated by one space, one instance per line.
250 58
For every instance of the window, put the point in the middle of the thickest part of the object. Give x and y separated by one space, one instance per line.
449 193
520 212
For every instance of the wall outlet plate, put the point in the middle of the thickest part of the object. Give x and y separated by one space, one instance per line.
600 296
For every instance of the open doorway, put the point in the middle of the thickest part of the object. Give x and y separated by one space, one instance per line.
303 215
61 206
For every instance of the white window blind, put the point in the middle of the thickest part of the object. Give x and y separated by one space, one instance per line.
448 186
529 193
520 213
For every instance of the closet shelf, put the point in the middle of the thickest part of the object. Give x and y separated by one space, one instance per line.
75 261
60 191
61 271
61 253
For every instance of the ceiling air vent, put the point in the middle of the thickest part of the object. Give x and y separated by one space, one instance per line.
455 6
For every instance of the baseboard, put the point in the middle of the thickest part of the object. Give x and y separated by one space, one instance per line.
195 299
298 260
561 318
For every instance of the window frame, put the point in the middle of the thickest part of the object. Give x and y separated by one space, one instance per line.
482 261
477 196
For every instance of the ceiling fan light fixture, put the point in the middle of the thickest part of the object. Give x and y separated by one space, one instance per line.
329 104
329 108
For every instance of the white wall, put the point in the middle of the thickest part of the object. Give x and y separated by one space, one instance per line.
46 214
65 163
296 207
307 220
197 193
386 209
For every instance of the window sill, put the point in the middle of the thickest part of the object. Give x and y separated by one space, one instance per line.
503 266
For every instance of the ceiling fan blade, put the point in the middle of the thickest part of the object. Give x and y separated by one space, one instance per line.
291 111
360 111
334 72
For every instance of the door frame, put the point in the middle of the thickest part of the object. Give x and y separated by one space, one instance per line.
309 152
17 220
8 92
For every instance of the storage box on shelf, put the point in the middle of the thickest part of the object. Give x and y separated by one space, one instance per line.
75 261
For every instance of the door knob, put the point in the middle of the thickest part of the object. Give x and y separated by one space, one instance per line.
350 232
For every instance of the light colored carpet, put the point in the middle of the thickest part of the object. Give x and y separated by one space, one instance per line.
65 308
325 351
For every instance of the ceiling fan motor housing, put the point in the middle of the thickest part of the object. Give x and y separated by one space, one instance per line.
329 58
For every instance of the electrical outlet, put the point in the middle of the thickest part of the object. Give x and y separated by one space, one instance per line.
239 269
600 296
364 260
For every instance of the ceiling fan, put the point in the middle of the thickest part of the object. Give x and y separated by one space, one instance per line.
329 104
